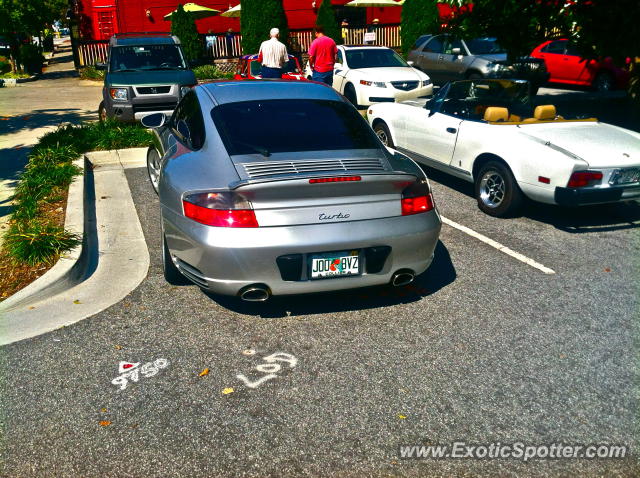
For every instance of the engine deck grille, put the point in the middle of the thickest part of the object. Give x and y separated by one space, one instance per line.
278 168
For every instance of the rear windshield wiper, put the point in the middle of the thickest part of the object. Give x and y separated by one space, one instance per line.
263 151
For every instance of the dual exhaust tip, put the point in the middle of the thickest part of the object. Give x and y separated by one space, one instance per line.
262 293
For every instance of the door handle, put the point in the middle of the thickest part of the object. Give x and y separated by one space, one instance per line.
452 130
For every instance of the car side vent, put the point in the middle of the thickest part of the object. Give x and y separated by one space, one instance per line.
277 168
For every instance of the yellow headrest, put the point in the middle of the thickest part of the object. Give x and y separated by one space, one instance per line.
494 113
545 112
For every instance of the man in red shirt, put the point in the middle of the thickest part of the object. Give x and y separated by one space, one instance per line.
322 56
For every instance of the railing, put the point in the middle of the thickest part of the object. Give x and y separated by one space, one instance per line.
223 45
92 52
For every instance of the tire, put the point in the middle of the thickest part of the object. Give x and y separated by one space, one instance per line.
497 191
153 168
474 76
102 112
383 134
350 94
603 82
171 273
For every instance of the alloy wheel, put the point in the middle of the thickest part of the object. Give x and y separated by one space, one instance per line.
492 189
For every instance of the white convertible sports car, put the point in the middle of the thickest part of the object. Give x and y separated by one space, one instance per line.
487 132
376 74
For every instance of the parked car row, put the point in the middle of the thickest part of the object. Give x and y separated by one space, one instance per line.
449 58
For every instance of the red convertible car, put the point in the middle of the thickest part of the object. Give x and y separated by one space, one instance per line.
565 65
249 69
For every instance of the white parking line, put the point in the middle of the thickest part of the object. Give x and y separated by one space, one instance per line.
497 245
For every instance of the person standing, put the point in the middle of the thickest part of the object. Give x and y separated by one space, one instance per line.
322 57
273 55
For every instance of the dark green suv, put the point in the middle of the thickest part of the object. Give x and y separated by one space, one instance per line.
145 74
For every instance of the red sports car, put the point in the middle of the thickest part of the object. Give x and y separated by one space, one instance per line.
249 68
565 65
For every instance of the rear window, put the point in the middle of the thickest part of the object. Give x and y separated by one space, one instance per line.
278 126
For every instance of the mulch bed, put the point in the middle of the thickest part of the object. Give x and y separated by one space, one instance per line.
14 277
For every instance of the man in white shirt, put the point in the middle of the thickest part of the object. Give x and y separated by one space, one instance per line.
273 56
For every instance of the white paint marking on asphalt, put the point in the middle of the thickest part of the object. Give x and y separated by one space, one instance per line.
130 371
270 368
497 245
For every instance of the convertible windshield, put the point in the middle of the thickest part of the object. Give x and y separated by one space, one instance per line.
484 46
276 126
146 57
374 58
470 99
290 67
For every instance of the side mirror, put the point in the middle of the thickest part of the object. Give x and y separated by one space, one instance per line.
337 66
154 120
410 63
101 66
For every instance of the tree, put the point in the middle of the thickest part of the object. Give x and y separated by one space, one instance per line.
184 27
258 17
419 17
519 26
327 19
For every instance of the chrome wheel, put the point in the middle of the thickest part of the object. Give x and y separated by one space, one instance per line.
153 167
492 189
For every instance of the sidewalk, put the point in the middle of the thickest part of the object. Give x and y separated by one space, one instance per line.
29 110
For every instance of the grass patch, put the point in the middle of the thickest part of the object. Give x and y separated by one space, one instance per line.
211 72
36 236
91 73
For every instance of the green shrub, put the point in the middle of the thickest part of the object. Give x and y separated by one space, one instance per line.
5 65
184 27
211 72
31 58
90 73
258 17
419 17
327 19
35 242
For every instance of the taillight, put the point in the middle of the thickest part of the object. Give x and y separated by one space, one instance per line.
223 209
581 179
417 198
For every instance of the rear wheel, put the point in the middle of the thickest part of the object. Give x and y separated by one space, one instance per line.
497 191
102 112
382 131
603 82
474 76
171 273
350 94
153 168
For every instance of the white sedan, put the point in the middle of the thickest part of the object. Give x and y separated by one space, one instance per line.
487 132
375 74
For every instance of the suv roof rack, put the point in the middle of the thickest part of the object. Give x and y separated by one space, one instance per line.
127 34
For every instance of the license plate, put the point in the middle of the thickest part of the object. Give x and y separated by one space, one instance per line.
625 176
335 264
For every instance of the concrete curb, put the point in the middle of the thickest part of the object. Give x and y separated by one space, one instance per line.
111 262
13 82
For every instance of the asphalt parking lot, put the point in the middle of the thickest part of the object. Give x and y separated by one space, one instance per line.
482 348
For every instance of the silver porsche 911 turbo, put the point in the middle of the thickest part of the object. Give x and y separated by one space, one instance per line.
277 187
